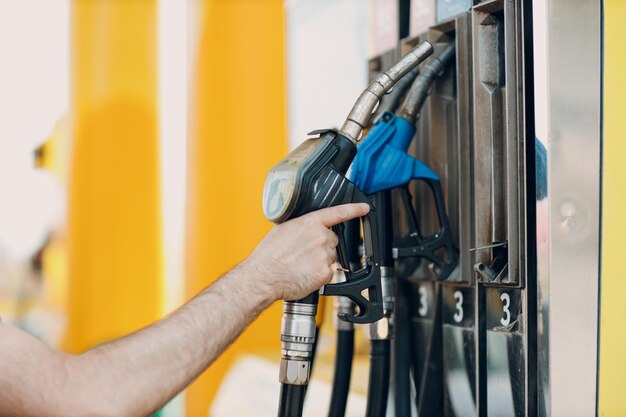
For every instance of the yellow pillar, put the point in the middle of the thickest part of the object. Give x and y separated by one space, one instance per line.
612 366
113 223
237 132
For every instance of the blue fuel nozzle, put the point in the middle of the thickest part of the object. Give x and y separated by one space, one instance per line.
382 161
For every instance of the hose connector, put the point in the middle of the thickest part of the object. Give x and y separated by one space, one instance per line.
297 336
365 104
383 328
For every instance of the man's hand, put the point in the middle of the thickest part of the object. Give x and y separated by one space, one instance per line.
295 258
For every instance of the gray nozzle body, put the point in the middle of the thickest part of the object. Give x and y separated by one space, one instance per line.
364 106
416 96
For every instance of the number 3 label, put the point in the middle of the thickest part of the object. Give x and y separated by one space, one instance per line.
423 310
458 315
506 303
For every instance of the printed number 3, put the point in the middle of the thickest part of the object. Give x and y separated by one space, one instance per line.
458 316
423 301
506 299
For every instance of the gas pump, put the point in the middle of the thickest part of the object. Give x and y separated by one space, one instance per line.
312 177
464 321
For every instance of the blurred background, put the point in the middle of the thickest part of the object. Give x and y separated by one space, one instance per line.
135 136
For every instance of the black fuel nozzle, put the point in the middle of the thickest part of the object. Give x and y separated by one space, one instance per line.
312 177
370 308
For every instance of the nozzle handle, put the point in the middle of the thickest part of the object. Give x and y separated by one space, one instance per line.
415 247
367 279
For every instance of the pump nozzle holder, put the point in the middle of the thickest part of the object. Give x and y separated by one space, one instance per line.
365 104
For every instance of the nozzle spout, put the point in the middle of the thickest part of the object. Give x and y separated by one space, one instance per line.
391 100
415 98
364 106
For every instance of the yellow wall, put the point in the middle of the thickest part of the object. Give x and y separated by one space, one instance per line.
237 132
611 399
114 224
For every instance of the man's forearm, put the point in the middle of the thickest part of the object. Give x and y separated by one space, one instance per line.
151 366
138 374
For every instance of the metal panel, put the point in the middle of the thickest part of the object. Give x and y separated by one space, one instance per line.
446 383
450 135
499 169
505 371
568 217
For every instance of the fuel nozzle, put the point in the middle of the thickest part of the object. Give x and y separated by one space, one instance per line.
390 101
309 178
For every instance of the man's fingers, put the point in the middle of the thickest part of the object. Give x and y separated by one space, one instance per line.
332 238
332 256
334 215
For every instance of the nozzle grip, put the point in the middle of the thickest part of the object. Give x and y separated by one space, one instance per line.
342 249
329 187
369 278
418 247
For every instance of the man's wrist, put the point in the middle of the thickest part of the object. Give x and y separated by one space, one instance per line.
258 283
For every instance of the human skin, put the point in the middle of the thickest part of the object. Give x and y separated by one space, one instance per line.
137 374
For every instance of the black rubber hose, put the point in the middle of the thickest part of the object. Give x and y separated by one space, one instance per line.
343 371
291 400
314 350
403 398
378 388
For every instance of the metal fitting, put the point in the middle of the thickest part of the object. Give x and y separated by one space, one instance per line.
297 330
383 328
386 281
346 306
379 330
294 372
297 336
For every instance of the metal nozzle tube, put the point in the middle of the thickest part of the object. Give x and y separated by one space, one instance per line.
390 101
364 106
297 335
416 96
